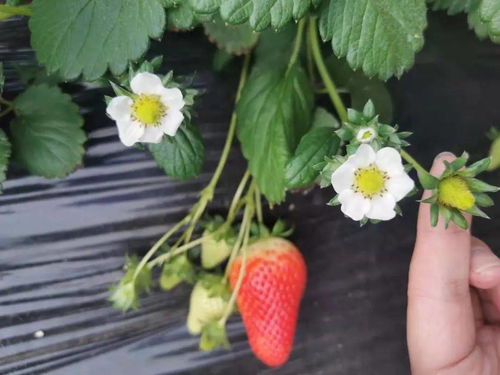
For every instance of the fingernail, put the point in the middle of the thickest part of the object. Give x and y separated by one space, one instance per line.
488 267
444 155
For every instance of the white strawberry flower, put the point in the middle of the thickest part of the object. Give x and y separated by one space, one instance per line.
370 183
151 112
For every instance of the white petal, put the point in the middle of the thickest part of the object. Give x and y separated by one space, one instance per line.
389 160
119 108
172 98
152 134
129 131
146 83
363 157
171 122
399 186
382 208
343 177
354 204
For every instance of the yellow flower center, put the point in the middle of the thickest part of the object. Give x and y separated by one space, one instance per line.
367 135
454 192
148 109
369 181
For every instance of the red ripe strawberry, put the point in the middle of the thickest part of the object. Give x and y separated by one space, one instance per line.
269 297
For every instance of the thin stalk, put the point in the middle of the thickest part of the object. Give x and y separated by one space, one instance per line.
297 43
179 250
413 162
10 11
208 193
323 71
233 208
246 224
258 205
157 246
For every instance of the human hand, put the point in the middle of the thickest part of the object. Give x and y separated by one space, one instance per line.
453 321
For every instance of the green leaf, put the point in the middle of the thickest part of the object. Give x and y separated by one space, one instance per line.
484 18
273 114
264 13
379 36
236 39
5 150
182 17
204 6
274 48
47 133
312 149
88 36
453 6
221 60
180 156
324 119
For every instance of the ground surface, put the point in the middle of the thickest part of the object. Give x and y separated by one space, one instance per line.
63 242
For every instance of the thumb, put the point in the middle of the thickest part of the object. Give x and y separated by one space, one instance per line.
438 291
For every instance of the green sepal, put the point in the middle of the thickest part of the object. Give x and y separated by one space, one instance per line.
432 199
427 181
177 270
125 294
476 211
334 201
213 336
455 165
120 91
282 229
478 186
446 214
483 200
459 219
434 214
369 109
474 169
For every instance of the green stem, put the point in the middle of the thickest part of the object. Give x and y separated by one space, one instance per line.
258 205
208 193
233 208
7 111
157 245
179 250
323 71
245 228
297 44
413 162
7 11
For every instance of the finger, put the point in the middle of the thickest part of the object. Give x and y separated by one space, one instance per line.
441 326
477 308
485 266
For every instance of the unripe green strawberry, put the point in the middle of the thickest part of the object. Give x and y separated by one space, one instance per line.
207 304
214 250
269 297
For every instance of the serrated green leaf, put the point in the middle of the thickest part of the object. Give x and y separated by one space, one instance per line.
88 36
324 119
264 13
47 133
182 17
379 36
484 18
273 114
274 48
5 150
221 60
180 156
453 6
236 39
204 6
312 149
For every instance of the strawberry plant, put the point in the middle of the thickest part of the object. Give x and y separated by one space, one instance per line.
293 54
